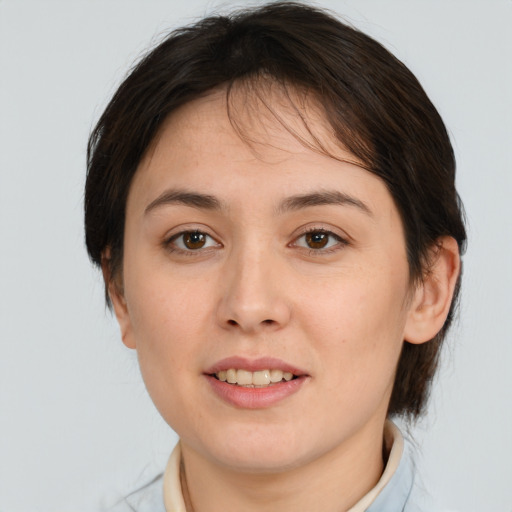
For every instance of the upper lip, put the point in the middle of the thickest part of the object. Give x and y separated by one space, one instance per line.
254 365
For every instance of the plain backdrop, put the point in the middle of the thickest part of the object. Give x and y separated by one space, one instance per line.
77 429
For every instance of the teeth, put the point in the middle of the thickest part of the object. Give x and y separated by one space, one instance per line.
243 377
253 379
276 375
231 376
261 378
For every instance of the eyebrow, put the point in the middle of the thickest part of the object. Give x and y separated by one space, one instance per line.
293 203
192 199
320 198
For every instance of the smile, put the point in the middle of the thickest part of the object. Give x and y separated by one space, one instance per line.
246 378
247 383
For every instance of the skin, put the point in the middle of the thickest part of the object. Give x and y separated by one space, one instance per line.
256 289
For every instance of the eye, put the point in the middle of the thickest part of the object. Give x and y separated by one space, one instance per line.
191 241
318 239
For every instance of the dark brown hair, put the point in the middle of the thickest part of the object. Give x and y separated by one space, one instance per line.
374 104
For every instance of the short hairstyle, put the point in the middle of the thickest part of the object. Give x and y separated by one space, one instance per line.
376 107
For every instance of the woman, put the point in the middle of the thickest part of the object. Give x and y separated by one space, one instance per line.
271 199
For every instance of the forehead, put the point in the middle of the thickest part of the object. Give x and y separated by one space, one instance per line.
218 136
263 112
265 121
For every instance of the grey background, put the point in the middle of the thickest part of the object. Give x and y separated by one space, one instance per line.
76 426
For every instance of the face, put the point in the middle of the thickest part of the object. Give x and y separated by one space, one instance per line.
265 288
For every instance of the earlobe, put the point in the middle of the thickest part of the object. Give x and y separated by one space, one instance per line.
117 298
432 297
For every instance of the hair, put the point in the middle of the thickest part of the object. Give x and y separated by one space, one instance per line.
375 106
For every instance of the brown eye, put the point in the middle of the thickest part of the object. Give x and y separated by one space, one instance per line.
316 239
194 240
320 241
188 241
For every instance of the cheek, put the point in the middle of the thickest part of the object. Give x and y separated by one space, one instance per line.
359 324
169 319
163 302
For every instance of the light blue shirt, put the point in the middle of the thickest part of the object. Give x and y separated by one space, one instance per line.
401 494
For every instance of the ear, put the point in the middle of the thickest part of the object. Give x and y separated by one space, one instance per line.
116 294
432 297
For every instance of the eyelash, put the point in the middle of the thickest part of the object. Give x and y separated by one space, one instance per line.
170 243
340 242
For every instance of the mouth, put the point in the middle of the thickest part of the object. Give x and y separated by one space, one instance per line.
247 383
258 379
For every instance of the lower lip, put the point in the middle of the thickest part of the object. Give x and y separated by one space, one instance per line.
255 398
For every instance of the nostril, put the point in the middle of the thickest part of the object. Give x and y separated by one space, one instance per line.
268 322
232 322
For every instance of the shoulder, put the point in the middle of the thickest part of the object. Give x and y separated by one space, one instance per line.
405 490
148 498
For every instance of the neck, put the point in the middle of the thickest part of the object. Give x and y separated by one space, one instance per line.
331 482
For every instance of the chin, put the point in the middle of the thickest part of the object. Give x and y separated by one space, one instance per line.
267 450
269 463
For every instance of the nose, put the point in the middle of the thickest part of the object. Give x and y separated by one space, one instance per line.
254 295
